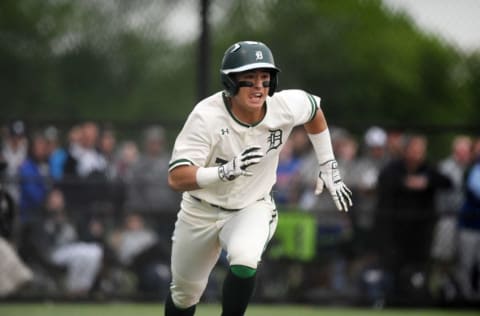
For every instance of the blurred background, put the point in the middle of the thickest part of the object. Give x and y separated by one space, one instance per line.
94 92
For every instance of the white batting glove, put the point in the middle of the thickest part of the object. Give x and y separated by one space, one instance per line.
330 177
239 164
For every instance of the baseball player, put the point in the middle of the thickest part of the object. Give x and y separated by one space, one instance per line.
225 160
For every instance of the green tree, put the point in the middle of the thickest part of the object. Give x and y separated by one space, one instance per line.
368 64
88 60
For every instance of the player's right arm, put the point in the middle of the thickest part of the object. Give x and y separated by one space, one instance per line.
183 178
191 177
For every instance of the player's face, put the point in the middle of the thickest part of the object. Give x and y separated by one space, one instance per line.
252 94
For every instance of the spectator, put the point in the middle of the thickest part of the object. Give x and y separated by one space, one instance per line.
395 144
372 159
300 142
14 152
405 217
140 249
148 190
286 189
115 189
57 154
86 169
127 157
55 241
449 201
107 146
346 148
34 180
69 184
90 161
469 236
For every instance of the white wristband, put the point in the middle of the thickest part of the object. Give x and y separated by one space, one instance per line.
322 144
207 176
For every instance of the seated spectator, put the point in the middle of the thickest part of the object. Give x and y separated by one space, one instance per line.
139 248
54 242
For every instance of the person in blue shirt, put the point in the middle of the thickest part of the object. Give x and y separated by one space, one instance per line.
34 179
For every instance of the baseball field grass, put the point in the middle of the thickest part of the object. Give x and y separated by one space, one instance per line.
125 309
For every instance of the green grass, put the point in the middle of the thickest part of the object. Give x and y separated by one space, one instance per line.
121 309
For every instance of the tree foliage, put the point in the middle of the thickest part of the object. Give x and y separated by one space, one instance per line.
368 64
93 59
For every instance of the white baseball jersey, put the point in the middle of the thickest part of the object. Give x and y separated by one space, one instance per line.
212 135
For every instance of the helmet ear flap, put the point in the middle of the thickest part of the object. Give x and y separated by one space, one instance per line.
230 85
273 83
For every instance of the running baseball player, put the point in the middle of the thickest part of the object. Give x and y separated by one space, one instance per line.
225 160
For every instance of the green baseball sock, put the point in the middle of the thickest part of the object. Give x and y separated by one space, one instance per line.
237 290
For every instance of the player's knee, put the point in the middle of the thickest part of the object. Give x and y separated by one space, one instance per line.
186 294
250 261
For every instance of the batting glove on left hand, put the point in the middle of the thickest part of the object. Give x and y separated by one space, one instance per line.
330 177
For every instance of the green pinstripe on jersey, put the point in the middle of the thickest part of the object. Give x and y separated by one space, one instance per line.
179 162
314 105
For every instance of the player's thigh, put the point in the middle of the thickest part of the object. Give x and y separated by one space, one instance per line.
247 233
195 250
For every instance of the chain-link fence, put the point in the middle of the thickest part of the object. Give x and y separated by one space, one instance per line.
96 92
319 255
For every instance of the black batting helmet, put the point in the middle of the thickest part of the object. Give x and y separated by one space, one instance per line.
247 55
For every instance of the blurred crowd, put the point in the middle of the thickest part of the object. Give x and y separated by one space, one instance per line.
94 213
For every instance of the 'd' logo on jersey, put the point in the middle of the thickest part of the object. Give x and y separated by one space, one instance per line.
274 139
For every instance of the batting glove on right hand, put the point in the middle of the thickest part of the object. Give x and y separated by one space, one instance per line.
330 177
239 164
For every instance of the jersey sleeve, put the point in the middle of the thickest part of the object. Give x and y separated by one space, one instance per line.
303 105
192 145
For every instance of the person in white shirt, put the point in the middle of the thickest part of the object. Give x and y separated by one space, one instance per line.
225 160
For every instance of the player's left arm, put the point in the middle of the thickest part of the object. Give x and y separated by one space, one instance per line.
329 177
